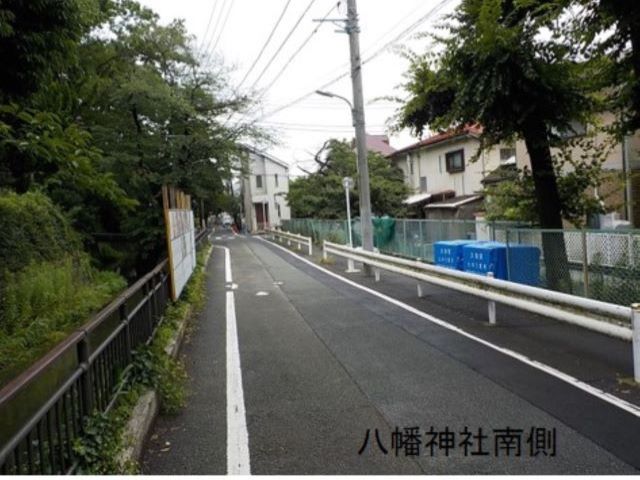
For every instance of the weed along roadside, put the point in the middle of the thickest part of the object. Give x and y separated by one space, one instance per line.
112 441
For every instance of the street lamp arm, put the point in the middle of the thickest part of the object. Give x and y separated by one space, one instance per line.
333 95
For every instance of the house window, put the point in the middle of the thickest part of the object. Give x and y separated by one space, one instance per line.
411 166
455 161
278 208
507 156
258 181
423 184
575 129
275 177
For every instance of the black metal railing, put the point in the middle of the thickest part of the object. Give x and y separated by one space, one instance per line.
43 410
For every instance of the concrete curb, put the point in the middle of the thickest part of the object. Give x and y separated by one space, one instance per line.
146 409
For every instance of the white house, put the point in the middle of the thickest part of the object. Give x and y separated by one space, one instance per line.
265 185
444 183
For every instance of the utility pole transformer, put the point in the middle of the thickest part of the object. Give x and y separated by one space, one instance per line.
353 30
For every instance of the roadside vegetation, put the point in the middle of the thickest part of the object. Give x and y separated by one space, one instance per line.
100 105
48 286
100 449
321 193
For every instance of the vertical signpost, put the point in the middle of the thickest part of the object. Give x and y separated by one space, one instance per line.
181 237
347 183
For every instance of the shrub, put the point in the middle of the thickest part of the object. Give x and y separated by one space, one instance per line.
33 230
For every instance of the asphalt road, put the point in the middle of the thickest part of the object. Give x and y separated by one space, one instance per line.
339 380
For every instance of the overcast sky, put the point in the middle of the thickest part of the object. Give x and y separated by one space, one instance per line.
238 30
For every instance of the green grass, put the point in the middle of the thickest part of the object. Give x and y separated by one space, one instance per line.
42 303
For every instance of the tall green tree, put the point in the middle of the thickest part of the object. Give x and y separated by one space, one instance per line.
114 104
321 194
158 116
495 68
607 34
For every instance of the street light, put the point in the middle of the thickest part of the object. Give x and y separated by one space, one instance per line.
357 117
347 183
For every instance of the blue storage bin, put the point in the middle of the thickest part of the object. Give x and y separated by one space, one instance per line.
524 264
524 261
482 258
448 253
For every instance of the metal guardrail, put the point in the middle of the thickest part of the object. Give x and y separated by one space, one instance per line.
613 320
43 409
292 237
602 264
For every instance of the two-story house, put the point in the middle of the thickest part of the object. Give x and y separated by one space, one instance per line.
265 184
443 181
620 189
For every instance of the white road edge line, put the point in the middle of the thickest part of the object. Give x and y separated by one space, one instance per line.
596 392
238 460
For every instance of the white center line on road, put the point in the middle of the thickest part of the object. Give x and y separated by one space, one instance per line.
590 389
238 462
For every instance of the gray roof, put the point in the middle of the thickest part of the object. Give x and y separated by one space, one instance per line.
264 154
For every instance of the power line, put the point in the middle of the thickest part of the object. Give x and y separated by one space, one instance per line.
264 47
371 47
371 57
215 27
206 31
297 52
224 24
284 42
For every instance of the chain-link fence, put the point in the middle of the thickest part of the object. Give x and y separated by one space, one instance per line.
598 264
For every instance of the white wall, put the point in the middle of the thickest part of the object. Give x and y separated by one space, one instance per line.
269 192
431 162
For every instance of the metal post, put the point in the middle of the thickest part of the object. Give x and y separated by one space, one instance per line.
404 237
585 265
420 293
86 390
359 122
506 231
310 247
347 184
491 306
635 326
377 274
324 250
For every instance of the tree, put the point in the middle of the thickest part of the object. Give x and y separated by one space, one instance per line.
113 105
497 70
514 199
607 33
158 117
38 38
321 194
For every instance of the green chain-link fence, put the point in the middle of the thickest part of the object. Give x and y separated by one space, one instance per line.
603 265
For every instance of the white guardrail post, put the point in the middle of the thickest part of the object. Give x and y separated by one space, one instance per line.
635 325
324 250
492 306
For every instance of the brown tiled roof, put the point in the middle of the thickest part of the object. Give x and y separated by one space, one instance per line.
380 144
474 130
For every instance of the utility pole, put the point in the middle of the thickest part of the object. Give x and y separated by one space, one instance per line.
357 112
353 30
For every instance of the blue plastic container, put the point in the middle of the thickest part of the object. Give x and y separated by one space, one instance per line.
482 258
523 262
448 253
